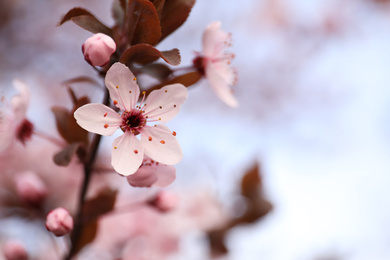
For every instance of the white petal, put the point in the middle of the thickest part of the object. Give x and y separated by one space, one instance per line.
163 146
127 154
214 40
218 83
122 86
98 118
165 103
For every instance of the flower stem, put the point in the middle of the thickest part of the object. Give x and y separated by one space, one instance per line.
88 166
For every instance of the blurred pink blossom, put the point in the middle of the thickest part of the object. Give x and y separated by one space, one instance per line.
14 250
165 201
152 173
30 188
214 63
59 222
98 49
13 122
157 141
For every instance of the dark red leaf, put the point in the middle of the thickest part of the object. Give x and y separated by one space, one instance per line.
159 4
63 157
85 20
157 70
145 53
174 14
143 24
187 79
99 205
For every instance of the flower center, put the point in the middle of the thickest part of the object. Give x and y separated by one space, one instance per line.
132 121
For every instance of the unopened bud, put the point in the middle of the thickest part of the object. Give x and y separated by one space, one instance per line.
59 222
98 49
14 250
165 201
30 188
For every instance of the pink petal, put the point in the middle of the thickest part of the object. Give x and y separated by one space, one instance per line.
214 40
98 118
163 147
166 174
21 101
127 154
144 177
122 86
219 84
165 103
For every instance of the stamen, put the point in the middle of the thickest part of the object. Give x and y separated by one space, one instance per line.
115 102
135 151
166 91
160 107
162 141
115 147
150 138
134 78
106 125
117 86
174 133
105 114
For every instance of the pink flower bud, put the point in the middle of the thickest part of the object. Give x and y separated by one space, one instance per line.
165 201
14 250
98 49
30 188
59 222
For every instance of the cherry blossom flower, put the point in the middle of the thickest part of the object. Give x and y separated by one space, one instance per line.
214 63
98 49
152 173
13 122
157 141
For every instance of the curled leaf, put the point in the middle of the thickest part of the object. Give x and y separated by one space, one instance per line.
85 20
145 53
174 14
143 24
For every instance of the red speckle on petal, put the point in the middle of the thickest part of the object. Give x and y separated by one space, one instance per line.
174 133
162 141
150 138
135 151
106 125
115 102
105 114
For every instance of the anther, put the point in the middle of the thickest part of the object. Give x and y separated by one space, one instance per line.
105 114
106 125
160 107
115 147
134 78
159 118
150 138
166 91
117 86
115 102
174 133
135 151
174 105
130 91
162 141
143 92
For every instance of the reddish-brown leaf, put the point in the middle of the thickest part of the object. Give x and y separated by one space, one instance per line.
143 24
159 4
67 125
87 235
251 182
145 53
187 80
157 70
85 20
174 14
99 205
63 157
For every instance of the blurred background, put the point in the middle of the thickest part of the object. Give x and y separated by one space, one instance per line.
314 113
